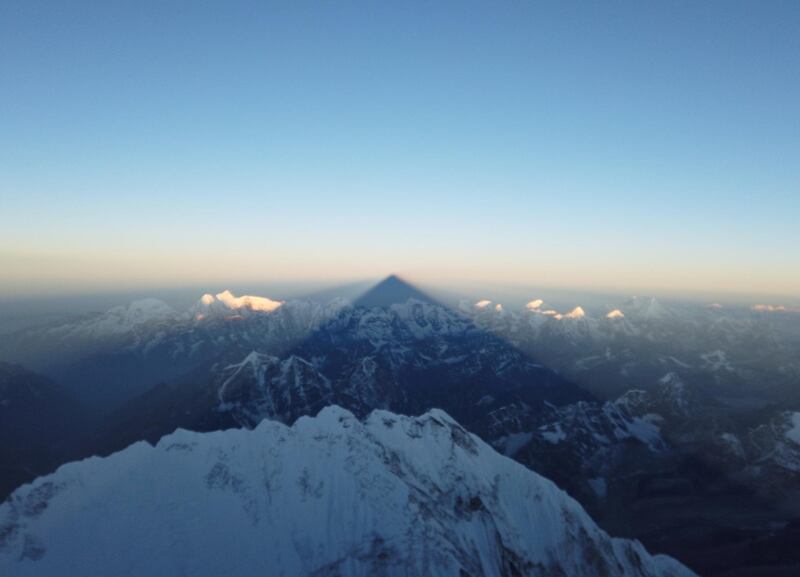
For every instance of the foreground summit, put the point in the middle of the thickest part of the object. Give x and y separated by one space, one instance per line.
328 496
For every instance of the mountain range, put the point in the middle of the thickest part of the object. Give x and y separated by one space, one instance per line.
648 413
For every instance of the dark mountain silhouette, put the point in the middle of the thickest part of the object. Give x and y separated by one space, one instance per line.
40 426
391 290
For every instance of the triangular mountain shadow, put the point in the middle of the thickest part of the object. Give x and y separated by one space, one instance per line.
391 290
470 373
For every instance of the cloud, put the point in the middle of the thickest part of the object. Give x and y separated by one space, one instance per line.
482 304
615 314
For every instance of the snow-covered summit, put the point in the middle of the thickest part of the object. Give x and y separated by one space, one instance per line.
576 313
226 300
534 304
119 320
328 496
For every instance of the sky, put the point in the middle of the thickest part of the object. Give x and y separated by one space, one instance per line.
628 146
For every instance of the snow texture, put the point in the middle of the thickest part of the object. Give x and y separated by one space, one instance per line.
328 496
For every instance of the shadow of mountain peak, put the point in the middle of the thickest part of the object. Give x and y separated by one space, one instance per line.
391 290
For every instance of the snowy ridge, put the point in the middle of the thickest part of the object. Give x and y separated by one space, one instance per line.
587 437
119 320
604 425
775 443
266 386
328 496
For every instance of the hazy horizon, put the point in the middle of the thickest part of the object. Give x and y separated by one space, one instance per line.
13 290
514 294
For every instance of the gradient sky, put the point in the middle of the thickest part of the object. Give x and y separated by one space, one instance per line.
610 145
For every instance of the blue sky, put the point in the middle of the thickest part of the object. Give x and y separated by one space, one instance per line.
611 145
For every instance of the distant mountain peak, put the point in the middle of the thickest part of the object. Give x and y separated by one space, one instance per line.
576 313
391 290
649 308
228 301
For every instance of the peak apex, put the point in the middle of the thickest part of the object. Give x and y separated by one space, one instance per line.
394 278
391 290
